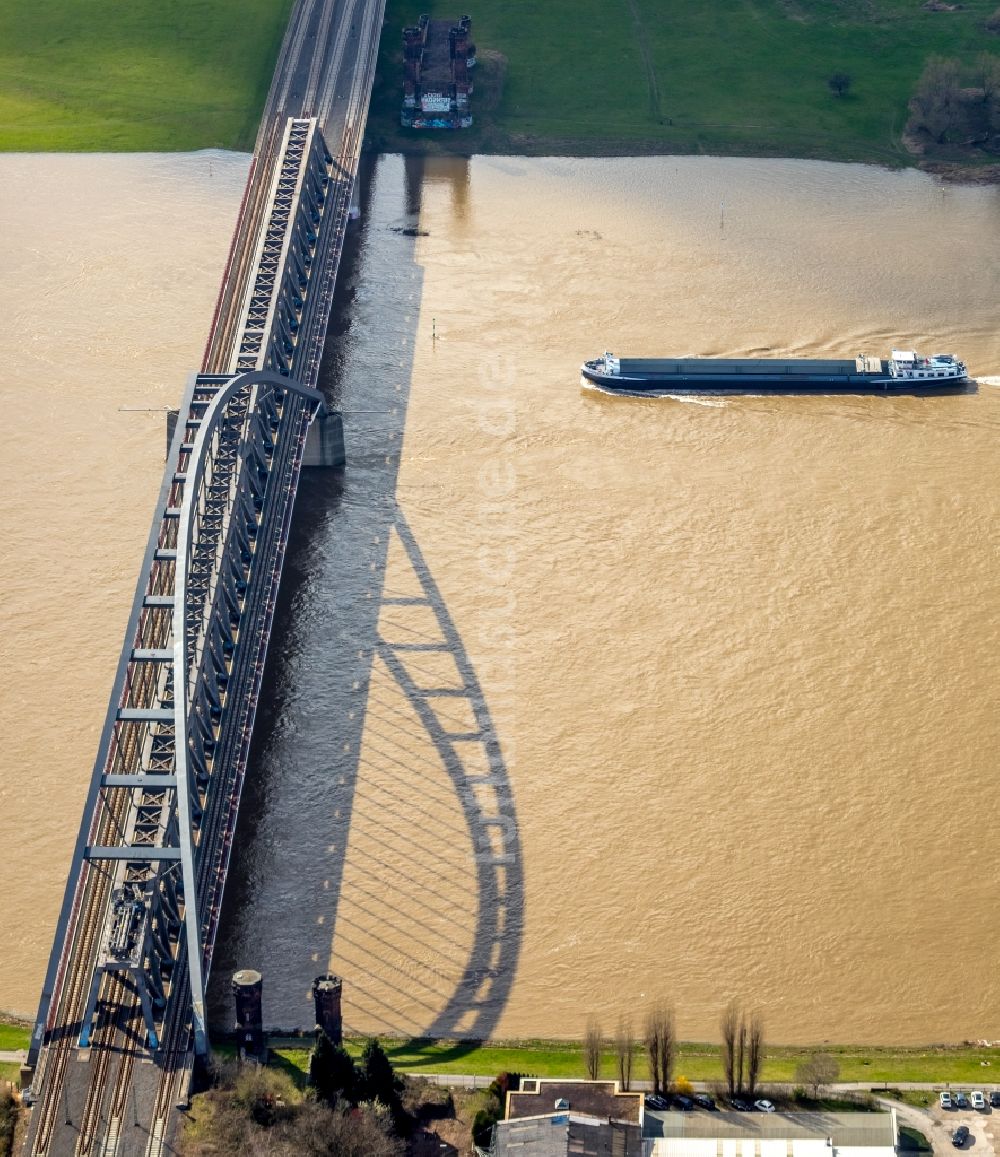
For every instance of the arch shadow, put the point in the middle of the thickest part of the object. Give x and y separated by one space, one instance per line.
321 714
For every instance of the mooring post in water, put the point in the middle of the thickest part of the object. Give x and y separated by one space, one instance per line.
327 990
248 986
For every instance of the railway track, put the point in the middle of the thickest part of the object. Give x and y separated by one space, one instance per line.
318 66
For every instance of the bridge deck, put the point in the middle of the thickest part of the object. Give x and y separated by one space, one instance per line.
196 642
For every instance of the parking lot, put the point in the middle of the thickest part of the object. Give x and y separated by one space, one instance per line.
939 1126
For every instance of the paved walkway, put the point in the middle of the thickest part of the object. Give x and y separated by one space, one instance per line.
470 1081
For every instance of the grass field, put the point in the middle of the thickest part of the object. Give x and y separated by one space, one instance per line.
722 76
697 1062
568 76
139 75
14 1036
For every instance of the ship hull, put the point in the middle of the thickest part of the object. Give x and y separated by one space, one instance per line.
757 376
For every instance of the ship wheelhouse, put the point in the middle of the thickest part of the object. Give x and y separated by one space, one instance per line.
907 365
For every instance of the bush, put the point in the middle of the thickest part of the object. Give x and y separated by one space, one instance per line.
683 1086
8 1123
482 1128
264 1096
331 1072
487 1117
993 23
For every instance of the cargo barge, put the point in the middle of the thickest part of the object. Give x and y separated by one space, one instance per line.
903 372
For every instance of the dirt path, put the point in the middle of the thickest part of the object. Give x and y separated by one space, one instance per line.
643 40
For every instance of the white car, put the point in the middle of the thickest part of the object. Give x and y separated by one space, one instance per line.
763 1106
977 1100
946 1101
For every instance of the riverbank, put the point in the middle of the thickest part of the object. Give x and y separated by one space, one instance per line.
934 1064
626 77
590 78
939 1064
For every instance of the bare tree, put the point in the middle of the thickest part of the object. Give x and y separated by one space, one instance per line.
592 1041
755 1051
668 1049
729 1026
821 1069
742 1048
988 75
661 1045
936 103
625 1050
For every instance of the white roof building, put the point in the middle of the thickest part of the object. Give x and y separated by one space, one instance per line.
675 1134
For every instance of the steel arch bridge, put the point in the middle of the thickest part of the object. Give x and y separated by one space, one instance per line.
168 779
139 917
136 932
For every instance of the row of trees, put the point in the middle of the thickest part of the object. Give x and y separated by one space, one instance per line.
742 1052
624 1042
955 104
742 1048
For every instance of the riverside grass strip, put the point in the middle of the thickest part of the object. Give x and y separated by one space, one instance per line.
145 75
698 1062
606 77
585 77
14 1035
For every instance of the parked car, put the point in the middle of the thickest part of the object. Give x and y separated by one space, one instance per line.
763 1106
977 1099
683 1102
946 1101
739 1104
961 1101
658 1103
704 1101
995 1098
960 1136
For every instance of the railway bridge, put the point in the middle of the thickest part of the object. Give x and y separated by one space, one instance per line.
122 1013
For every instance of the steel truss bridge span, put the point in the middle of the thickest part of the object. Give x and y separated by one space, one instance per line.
148 876
222 481
122 1010
134 943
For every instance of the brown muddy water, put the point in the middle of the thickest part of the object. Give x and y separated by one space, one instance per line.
574 701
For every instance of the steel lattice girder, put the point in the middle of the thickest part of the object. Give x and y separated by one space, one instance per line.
231 455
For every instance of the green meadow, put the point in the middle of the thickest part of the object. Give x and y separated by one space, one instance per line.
582 77
716 76
135 75
872 1067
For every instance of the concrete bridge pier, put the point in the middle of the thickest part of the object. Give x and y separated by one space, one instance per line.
325 441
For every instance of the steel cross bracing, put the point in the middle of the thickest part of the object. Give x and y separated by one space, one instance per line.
218 492
272 309
152 854
142 901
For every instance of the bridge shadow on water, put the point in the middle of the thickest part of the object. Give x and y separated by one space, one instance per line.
378 835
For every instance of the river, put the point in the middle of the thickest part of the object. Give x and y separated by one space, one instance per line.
574 702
